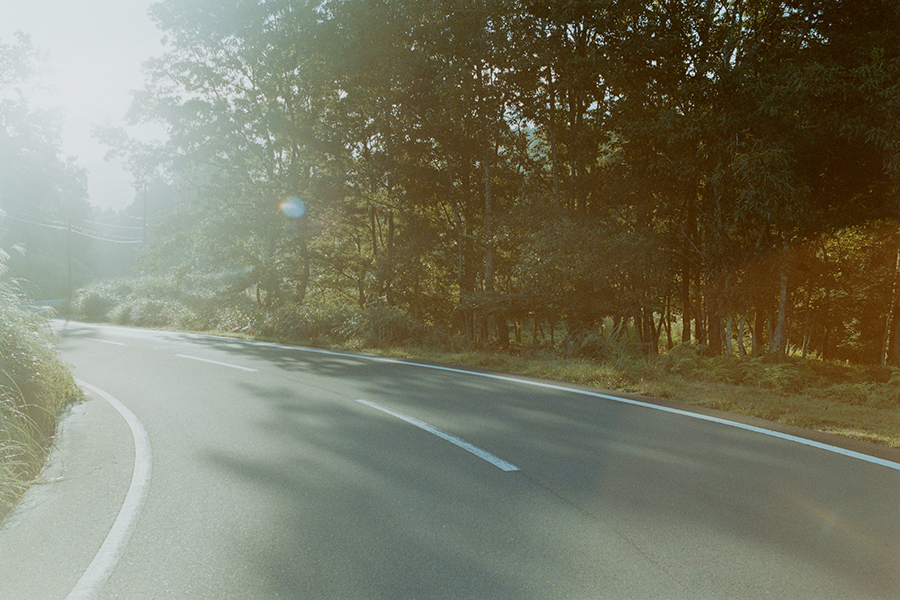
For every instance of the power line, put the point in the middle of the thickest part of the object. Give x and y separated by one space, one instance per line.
82 231
111 241
46 225
110 225
32 215
79 229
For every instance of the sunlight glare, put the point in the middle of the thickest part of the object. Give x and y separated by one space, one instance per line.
293 207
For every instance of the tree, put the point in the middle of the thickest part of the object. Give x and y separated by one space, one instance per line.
41 192
481 163
248 116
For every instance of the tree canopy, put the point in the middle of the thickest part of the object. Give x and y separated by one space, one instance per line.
696 165
41 191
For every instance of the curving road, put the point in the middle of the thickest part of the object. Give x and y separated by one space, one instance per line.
277 472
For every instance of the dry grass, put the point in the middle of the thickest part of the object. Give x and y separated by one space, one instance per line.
859 402
35 387
873 416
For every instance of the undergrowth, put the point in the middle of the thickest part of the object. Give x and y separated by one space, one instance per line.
35 386
221 304
852 400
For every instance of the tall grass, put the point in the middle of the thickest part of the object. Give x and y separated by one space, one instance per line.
857 401
35 386
372 327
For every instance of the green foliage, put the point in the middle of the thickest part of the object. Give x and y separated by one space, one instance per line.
40 189
784 376
374 327
36 186
474 165
312 324
35 386
383 327
198 302
609 343
220 303
94 303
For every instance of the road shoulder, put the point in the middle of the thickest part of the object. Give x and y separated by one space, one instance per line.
48 540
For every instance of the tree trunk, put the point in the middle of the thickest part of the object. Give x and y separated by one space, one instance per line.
777 342
756 333
554 156
488 228
303 284
655 330
464 277
639 328
697 307
502 330
807 326
389 277
685 305
891 346
669 343
729 348
714 326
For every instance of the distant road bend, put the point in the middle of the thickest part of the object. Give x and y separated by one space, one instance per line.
282 472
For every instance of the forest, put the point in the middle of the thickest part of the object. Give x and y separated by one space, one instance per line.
716 172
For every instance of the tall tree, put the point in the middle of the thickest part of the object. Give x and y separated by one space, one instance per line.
41 191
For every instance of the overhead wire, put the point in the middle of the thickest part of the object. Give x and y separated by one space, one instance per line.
80 230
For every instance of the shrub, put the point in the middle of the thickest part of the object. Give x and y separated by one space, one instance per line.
608 344
312 324
233 317
383 326
94 303
200 302
34 388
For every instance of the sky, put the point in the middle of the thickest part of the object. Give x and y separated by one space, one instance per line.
94 50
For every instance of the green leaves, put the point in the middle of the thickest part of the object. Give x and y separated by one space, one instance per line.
589 159
40 189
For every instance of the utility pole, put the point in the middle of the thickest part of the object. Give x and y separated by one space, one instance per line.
144 220
69 253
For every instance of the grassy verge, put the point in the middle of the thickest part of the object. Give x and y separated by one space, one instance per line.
35 387
858 407
861 402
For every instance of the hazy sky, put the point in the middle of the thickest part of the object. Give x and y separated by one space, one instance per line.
95 49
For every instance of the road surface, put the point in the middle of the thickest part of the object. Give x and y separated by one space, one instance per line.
205 467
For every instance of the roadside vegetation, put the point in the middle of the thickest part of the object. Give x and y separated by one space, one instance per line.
569 192
38 187
35 389
853 400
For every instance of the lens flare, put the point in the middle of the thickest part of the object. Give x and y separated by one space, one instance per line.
293 207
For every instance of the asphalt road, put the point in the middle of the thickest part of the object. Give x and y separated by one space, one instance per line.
260 471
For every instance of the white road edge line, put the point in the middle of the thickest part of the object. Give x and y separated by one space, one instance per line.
215 362
693 415
103 563
482 454
113 343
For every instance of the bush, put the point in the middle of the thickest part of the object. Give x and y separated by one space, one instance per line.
34 388
325 324
219 302
94 303
311 324
608 344
383 326
202 302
